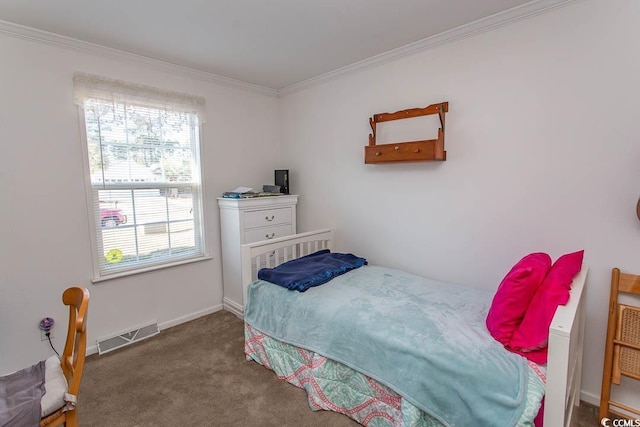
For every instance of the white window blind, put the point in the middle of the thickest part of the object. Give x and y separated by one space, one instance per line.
144 174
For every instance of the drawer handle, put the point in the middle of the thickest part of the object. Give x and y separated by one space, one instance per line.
269 219
270 237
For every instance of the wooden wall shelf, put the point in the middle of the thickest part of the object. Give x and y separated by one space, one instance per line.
409 151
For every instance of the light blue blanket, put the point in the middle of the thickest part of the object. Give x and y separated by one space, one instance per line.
424 339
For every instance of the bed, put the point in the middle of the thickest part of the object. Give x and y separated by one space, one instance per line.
361 393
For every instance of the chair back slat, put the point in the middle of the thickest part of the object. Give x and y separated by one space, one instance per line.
629 283
72 360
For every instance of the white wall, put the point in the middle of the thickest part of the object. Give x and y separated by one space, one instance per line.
543 154
44 241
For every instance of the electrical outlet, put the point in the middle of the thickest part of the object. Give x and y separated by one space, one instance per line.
46 324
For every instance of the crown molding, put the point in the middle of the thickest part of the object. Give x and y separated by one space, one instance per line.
31 34
501 19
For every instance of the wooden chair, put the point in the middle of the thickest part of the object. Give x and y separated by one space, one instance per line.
72 359
622 351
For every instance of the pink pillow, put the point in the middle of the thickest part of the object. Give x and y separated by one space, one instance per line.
531 338
514 295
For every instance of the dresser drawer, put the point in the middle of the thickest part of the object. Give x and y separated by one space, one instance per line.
251 236
267 218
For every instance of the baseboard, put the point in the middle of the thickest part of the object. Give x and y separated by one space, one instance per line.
170 323
188 317
590 398
233 307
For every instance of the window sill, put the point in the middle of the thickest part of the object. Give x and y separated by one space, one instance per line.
97 280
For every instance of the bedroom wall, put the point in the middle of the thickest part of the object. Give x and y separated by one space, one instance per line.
44 241
542 155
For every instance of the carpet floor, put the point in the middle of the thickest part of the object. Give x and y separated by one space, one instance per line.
195 374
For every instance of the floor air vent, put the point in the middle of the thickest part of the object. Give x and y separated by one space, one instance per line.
106 345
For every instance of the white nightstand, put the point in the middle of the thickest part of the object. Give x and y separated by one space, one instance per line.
247 221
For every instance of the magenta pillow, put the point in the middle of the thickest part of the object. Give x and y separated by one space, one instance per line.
531 338
514 294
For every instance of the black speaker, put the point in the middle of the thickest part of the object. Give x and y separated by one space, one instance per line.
282 179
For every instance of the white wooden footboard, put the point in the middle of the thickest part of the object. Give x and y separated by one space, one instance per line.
270 253
566 334
564 366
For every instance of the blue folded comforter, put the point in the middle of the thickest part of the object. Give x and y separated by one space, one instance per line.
312 270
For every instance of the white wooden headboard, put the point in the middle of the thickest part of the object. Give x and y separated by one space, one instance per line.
564 366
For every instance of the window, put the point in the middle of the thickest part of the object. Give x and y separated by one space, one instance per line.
142 148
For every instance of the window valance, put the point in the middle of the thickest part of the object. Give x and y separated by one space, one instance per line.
92 86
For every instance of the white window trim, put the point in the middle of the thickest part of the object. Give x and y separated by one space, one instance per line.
104 278
90 203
